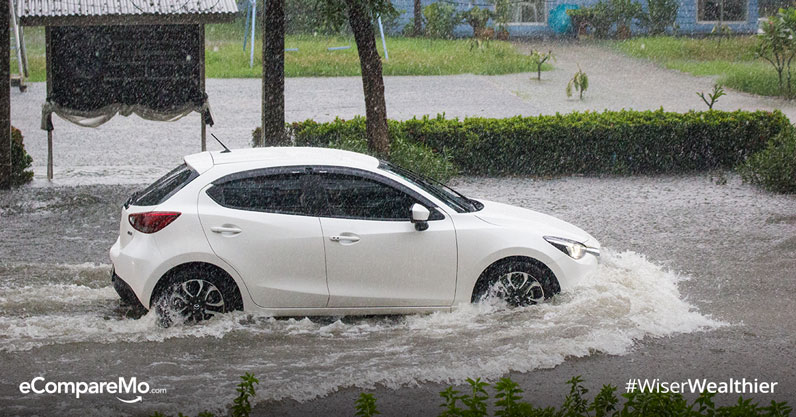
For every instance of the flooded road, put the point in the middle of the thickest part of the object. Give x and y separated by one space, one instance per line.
686 260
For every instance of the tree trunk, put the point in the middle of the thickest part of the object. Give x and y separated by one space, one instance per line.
418 18
273 108
5 99
372 80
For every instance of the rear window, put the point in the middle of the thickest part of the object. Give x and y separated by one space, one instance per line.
163 188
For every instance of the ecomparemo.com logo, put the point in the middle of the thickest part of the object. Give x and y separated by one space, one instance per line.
124 386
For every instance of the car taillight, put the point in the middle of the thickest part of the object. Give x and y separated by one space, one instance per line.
152 221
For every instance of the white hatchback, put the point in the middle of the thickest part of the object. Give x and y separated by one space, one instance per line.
312 231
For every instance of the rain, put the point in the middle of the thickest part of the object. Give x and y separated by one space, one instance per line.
696 268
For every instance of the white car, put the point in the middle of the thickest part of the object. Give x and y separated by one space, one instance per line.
311 231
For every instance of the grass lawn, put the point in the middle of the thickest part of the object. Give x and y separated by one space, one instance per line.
225 57
732 60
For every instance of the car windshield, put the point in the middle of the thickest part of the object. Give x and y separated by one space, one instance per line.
448 195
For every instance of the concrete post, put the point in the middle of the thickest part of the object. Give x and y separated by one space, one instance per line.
5 98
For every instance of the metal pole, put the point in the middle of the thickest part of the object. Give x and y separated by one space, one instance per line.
22 42
254 19
50 155
48 49
383 42
204 134
24 51
13 16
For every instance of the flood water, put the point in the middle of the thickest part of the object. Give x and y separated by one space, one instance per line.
61 320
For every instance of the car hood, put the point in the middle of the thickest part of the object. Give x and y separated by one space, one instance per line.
505 215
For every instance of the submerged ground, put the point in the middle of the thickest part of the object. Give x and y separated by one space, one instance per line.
697 280
696 283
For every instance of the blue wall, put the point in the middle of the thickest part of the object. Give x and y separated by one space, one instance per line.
686 18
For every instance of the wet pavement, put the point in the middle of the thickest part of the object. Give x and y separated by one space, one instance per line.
697 282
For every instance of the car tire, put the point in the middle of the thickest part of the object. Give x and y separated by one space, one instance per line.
195 294
519 282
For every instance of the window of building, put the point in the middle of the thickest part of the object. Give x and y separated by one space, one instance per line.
722 10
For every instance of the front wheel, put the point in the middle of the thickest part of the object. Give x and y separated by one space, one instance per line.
518 282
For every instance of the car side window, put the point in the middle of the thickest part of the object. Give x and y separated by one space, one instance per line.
351 196
274 193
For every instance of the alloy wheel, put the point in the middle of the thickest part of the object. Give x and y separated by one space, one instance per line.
519 288
196 300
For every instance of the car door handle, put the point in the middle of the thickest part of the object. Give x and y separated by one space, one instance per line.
344 238
225 229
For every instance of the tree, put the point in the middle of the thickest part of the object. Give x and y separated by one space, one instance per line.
361 22
418 18
273 107
5 102
361 14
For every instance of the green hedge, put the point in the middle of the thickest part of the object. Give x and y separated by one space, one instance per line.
610 142
774 168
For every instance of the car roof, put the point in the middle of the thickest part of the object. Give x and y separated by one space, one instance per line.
282 156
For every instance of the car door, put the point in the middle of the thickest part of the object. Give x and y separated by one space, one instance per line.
374 255
260 223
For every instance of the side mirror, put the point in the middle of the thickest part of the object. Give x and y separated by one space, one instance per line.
420 216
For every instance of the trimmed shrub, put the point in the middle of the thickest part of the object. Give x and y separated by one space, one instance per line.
774 168
20 160
606 143
611 142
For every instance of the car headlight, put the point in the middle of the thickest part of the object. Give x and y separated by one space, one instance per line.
574 249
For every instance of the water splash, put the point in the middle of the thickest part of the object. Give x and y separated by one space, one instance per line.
626 300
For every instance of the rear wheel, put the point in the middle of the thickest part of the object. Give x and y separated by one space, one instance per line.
195 294
519 282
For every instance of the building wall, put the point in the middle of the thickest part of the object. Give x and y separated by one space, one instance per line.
686 18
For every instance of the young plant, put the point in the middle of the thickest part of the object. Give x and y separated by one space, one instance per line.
605 403
718 91
476 401
507 398
366 406
538 59
579 82
450 409
241 406
575 403
777 47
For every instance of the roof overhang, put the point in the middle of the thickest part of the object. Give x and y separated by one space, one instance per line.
124 12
